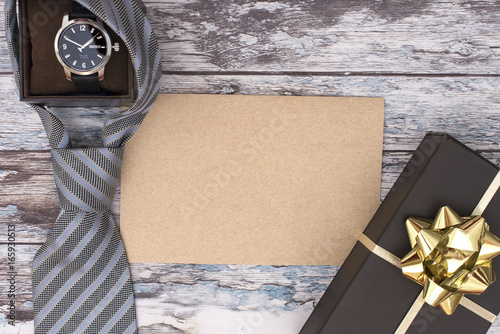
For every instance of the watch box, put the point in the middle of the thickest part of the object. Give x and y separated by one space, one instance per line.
43 79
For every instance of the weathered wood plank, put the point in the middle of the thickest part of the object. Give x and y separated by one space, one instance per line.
170 297
192 298
321 35
466 107
28 196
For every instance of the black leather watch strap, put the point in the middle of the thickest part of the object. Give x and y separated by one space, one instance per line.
78 11
87 84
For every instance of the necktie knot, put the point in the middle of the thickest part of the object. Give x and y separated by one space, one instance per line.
86 178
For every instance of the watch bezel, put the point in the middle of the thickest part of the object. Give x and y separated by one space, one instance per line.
97 25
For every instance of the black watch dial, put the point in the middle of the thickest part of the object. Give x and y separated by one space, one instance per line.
82 47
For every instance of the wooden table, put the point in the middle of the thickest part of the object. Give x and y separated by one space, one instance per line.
436 63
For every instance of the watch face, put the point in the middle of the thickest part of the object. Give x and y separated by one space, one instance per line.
83 46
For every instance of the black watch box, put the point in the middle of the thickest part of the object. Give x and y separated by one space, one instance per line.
42 78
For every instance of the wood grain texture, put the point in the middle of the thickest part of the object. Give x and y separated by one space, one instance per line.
193 298
28 195
466 107
436 63
334 36
426 36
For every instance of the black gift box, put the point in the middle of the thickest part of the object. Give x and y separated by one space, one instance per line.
370 295
42 76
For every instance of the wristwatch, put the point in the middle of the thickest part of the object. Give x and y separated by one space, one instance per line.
83 47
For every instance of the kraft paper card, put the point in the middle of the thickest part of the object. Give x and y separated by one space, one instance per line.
232 179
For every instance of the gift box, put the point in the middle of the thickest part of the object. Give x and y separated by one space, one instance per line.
370 294
43 80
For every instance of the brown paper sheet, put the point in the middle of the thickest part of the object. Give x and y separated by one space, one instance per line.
233 179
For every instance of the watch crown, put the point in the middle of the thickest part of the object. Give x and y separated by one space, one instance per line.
116 47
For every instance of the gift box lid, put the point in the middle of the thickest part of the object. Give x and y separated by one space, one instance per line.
369 294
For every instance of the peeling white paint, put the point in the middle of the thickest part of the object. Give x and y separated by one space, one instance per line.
209 26
300 45
4 174
270 6
246 39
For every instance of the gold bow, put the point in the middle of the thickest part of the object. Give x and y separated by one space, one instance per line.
451 256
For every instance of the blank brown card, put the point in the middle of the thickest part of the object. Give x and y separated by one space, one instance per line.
235 179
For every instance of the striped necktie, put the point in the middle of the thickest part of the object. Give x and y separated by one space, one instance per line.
80 275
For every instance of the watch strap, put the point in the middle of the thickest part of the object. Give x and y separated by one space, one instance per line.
87 84
80 12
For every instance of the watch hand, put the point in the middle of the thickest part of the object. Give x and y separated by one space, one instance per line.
69 40
88 42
